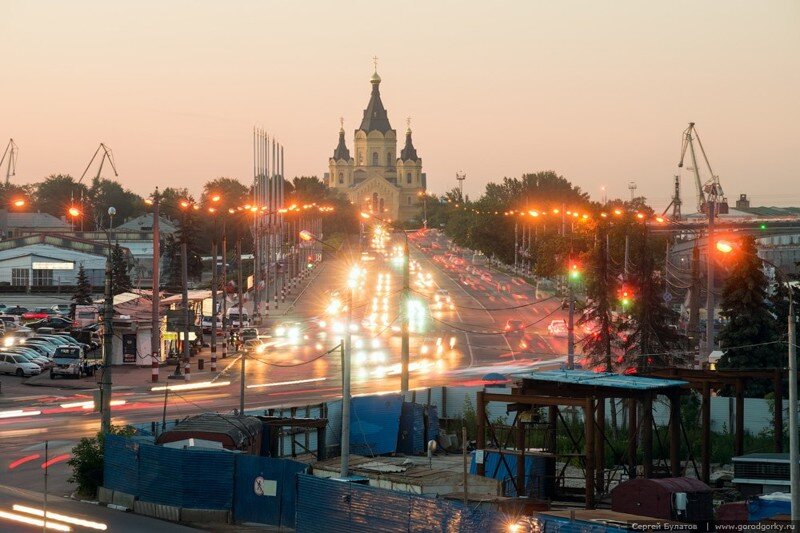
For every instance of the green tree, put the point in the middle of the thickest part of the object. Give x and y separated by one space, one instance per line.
749 335
87 461
119 270
9 193
83 291
602 284
231 192
56 193
107 193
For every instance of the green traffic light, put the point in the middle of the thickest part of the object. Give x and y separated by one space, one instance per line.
763 226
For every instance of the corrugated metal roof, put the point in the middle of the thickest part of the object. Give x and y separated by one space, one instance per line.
681 484
241 429
35 220
601 379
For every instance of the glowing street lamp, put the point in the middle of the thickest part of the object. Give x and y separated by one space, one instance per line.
724 246
19 202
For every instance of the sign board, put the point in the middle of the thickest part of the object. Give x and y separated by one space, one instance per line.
128 348
478 457
249 282
175 319
265 487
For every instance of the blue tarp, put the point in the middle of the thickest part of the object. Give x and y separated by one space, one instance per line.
374 424
762 508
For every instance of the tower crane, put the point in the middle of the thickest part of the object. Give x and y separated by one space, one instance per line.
711 190
11 153
106 154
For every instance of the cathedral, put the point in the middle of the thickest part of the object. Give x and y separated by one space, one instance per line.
377 179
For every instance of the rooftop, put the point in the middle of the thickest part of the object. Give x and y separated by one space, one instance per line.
241 429
601 380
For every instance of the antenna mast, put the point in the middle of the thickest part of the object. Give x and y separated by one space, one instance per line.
461 176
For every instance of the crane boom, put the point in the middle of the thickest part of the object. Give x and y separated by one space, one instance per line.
711 188
108 154
10 152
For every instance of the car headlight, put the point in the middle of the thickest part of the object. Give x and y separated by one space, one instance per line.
280 332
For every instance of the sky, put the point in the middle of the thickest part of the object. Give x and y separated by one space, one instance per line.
599 92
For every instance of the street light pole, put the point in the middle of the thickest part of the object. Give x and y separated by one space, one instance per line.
108 335
214 283
185 303
346 370
241 320
404 346
710 303
794 453
155 332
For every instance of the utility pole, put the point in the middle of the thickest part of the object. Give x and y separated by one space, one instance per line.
404 348
346 371
185 303
516 247
710 303
694 299
794 454
108 335
224 289
214 282
155 332
241 319
571 329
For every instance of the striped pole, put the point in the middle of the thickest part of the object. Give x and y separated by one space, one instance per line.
186 370
155 368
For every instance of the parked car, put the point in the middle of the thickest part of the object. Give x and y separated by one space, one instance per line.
16 310
38 313
30 355
249 334
18 365
70 361
236 321
88 337
56 322
41 345
206 323
10 322
62 309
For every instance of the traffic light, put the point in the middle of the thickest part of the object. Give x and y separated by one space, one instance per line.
625 297
574 271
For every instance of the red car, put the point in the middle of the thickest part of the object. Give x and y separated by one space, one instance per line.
38 314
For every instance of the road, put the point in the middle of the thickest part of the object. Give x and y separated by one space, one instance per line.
451 347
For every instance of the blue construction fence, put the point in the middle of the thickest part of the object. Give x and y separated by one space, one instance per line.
254 489
334 506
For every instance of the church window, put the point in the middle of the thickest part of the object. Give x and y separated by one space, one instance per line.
341 178
408 177
380 206
388 159
374 201
409 200
360 157
375 162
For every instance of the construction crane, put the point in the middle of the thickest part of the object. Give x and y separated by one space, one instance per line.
106 154
711 190
676 202
11 153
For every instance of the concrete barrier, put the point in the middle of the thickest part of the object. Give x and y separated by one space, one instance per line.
155 510
122 499
105 495
205 516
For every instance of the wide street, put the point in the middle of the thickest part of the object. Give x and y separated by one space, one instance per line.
457 344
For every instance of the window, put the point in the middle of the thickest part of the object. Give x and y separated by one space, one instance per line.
19 277
360 157
42 278
408 177
380 206
409 200
374 201
388 159
341 178
375 162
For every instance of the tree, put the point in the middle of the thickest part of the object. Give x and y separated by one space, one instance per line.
107 193
749 336
87 460
83 291
121 281
601 285
55 194
231 191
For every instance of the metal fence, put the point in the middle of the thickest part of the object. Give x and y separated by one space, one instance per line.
341 507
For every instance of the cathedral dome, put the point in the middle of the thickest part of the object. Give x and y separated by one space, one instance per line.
375 78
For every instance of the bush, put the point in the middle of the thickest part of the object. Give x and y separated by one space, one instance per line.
87 461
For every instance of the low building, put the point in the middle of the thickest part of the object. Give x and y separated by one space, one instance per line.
13 224
51 260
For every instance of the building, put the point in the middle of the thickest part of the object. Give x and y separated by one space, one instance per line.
13 224
51 260
375 178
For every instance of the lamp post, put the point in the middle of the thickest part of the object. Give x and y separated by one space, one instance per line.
155 327
352 281
404 342
215 199
185 206
794 439
108 334
424 196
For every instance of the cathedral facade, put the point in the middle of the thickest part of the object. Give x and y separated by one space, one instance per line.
375 177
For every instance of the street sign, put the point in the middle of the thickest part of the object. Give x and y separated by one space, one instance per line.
265 487
175 319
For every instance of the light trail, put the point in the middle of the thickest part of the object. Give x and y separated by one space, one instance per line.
281 383
192 386
18 413
60 517
23 519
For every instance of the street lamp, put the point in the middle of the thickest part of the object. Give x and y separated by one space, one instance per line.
108 334
424 196
727 247
404 344
352 282
19 202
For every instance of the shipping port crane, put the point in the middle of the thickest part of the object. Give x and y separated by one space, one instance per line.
106 154
711 190
11 154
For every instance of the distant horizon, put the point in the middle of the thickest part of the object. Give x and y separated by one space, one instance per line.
598 94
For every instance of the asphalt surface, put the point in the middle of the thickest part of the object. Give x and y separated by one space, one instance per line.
450 347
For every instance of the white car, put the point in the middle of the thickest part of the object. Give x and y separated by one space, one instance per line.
18 365
558 328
